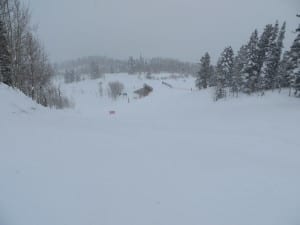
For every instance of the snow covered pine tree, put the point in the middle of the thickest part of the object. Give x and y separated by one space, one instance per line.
205 73
224 73
5 71
294 62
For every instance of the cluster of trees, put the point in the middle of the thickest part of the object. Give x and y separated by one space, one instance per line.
160 65
94 67
84 65
258 66
71 76
91 71
23 61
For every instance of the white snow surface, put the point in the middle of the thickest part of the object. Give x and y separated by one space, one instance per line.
173 158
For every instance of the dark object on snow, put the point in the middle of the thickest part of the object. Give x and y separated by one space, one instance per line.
168 85
145 91
123 94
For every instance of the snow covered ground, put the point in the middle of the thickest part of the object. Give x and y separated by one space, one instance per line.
173 158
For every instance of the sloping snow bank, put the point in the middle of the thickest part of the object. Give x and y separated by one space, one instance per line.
12 101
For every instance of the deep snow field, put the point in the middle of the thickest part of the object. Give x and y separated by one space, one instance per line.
173 158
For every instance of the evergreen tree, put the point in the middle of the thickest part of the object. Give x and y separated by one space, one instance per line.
271 62
141 63
220 90
94 70
131 65
205 72
228 63
212 79
283 78
239 61
263 50
5 71
279 75
294 62
250 67
263 44
224 72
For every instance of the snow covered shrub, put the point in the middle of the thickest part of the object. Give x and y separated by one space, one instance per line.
115 89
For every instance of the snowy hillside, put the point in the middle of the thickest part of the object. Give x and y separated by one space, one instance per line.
175 157
14 102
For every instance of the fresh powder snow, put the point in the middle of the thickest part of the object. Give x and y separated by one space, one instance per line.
174 157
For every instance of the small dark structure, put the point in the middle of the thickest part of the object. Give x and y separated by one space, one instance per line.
145 91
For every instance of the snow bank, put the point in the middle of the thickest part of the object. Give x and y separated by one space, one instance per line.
14 102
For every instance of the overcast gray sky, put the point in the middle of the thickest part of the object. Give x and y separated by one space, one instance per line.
182 29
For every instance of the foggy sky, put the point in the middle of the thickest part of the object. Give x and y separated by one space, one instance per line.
182 29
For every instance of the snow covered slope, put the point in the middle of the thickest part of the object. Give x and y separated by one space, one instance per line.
175 157
13 101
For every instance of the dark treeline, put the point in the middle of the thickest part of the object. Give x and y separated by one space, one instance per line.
160 65
258 66
23 61
95 66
